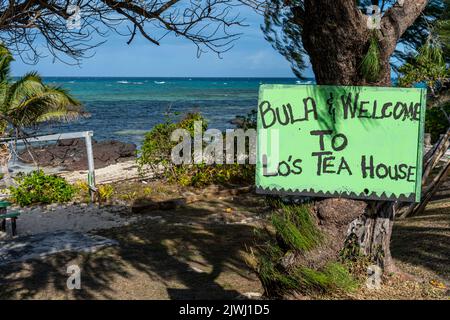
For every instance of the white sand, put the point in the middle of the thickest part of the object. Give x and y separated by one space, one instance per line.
116 172
81 217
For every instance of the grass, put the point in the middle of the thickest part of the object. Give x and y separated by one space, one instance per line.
334 276
296 233
296 227
277 281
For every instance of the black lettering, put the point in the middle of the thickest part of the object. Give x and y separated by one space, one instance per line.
312 110
265 172
327 164
383 110
321 133
378 169
291 113
363 112
375 107
393 172
343 144
344 166
263 113
399 110
319 156
286 116
417 111
409 111
411 173
347 105
287 167
367 167
296 165
402 171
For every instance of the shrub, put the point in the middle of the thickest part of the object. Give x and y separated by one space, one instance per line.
156 153
200 175
247 122
37 187
105 192
81 188
157 146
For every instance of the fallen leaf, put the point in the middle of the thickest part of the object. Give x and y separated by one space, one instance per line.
438 284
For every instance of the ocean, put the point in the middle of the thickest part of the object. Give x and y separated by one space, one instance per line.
126 108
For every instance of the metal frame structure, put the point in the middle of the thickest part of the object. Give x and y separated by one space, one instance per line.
87 135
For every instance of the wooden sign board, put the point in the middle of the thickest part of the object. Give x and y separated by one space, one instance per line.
336 141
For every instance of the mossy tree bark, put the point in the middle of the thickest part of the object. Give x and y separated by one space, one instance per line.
336 37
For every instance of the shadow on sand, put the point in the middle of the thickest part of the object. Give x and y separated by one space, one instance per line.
177 255
424 241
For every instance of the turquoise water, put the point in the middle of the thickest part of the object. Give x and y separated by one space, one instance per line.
125 108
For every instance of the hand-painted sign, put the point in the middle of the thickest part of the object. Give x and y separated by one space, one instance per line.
332 141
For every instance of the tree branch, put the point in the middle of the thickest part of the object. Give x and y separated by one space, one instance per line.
209 24
397 20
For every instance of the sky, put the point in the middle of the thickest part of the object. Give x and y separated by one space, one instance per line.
251 56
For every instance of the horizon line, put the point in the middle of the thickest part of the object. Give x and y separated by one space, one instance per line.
172 77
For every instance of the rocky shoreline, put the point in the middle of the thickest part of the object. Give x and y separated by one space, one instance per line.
71 154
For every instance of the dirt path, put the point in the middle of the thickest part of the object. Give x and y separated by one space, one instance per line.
196 252
190 253
421 244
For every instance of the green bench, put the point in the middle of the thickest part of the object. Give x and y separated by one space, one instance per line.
4 214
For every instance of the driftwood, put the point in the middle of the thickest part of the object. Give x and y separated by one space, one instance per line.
433 156
432 188
430 161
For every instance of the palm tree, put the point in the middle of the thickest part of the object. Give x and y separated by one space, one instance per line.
28 102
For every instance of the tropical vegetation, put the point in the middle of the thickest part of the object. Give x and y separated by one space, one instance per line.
156 154
28 101
37 187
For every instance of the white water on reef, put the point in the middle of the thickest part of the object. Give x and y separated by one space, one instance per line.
125 108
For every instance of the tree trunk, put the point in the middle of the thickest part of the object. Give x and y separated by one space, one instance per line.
373 232
336 37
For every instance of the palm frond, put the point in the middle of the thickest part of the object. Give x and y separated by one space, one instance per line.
29 101
60 116
63 96
27 86
52 104
5 63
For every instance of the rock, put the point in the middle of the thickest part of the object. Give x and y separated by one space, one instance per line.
238 121
71 154
68 142
250 295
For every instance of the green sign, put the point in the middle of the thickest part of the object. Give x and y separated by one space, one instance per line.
330 141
